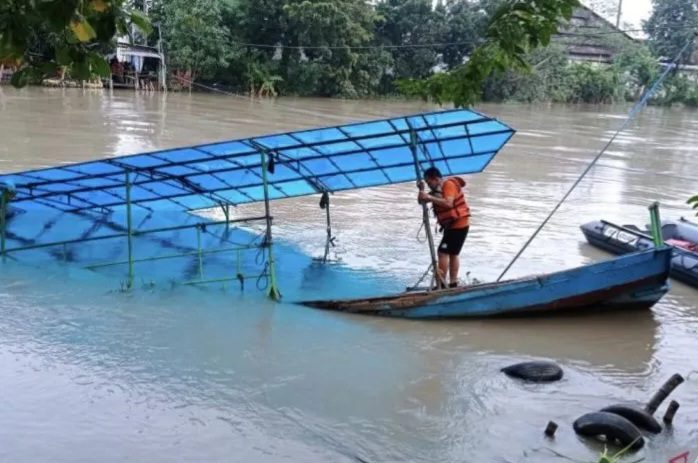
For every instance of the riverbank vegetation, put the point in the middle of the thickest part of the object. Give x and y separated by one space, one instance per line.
355 49
350 49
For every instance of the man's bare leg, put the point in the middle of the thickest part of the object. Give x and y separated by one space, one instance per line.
454 266
443 266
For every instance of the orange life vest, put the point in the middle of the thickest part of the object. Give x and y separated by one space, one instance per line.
446 216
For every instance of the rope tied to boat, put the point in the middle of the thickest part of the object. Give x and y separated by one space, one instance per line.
635 110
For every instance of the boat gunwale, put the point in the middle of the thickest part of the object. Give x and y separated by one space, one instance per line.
415 300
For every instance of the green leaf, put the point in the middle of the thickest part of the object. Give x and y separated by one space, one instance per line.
20 78
63 56
99 65
141 21
82 30
105 26
80 70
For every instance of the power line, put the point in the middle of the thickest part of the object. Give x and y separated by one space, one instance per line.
443 44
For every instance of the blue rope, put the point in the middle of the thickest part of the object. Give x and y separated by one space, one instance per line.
633 112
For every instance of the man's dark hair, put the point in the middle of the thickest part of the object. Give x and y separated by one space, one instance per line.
432 172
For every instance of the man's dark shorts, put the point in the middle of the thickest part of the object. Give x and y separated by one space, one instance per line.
453 240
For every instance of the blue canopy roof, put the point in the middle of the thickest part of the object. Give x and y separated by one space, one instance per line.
305 162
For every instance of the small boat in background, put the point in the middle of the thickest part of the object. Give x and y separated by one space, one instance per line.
635 281
681 235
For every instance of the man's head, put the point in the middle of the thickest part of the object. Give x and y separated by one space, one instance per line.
433 177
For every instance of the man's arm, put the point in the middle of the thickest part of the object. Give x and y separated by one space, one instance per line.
443 202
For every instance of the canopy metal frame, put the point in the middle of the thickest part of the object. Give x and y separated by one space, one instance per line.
234 172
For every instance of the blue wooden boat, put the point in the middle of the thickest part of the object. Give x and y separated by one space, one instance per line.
681 235
633 281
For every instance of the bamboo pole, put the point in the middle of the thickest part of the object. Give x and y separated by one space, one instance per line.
425 212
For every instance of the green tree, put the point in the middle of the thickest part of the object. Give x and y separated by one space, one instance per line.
195 39
41 37
330 35
517 27
410 27
671 26
592 84
547 79
466 24
638 69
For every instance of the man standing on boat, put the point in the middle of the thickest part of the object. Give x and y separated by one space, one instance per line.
453 214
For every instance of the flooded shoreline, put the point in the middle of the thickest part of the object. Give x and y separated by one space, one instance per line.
187 375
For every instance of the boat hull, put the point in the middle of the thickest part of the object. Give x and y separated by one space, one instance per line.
619 239
635 281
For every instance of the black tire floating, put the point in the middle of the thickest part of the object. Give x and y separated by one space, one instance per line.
637 416
613 426
538 371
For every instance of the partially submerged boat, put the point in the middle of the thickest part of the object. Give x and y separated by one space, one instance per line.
138 217
636 281
681 235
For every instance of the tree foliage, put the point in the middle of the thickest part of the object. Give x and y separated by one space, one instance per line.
516 28
672 24
332 31
195 38
410 26
41 37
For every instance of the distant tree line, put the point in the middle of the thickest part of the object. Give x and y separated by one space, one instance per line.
357 48
353 48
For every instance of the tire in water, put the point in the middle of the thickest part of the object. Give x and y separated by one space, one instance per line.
637 416
538 371
613 426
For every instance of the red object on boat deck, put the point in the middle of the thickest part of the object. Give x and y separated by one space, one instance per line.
682 458
687 245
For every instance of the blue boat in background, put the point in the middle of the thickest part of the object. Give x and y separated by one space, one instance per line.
681 235
634 281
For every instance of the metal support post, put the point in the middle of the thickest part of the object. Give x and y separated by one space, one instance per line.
656 225
329 241
273 291
129 231
4 196
199 254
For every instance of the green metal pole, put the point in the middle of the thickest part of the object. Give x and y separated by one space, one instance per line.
273 291
129 231
3 215
425 211
198 251
656 225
